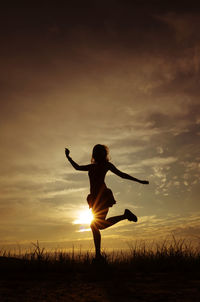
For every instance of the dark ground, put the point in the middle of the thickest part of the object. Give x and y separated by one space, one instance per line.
95 283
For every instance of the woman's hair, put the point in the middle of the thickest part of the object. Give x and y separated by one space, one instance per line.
100 154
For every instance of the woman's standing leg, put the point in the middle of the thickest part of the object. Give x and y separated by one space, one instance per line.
97 239
97 224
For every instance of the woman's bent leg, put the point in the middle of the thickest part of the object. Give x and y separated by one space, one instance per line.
115 219
112 220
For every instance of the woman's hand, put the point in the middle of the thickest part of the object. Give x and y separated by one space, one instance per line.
144 182
67 152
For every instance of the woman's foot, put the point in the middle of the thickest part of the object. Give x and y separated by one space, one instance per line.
130 216
99 259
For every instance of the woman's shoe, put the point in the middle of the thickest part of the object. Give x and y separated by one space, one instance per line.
130 216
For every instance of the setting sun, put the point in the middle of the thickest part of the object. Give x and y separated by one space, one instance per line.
84 217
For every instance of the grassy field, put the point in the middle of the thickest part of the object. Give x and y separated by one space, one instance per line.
164 272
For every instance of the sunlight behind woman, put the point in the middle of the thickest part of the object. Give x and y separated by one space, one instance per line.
84 217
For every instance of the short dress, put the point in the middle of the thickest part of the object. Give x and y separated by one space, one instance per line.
104 199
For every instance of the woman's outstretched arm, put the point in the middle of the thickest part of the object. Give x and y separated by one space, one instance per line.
74 164
121 174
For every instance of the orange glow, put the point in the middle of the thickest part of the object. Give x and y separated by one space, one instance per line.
84 217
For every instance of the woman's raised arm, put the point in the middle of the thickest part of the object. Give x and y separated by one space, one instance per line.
121 174
74 164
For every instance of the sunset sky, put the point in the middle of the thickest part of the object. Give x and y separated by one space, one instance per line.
121 73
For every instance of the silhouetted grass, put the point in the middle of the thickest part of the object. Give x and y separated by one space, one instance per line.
173 256
168 271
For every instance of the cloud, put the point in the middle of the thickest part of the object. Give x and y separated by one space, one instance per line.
155 227
128 77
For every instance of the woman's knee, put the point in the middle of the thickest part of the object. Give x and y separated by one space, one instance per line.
93 225
98 225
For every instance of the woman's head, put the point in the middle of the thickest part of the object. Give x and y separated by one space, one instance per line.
100 154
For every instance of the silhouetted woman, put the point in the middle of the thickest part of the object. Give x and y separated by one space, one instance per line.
100 197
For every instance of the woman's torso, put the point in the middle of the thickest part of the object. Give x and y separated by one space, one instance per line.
97 173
